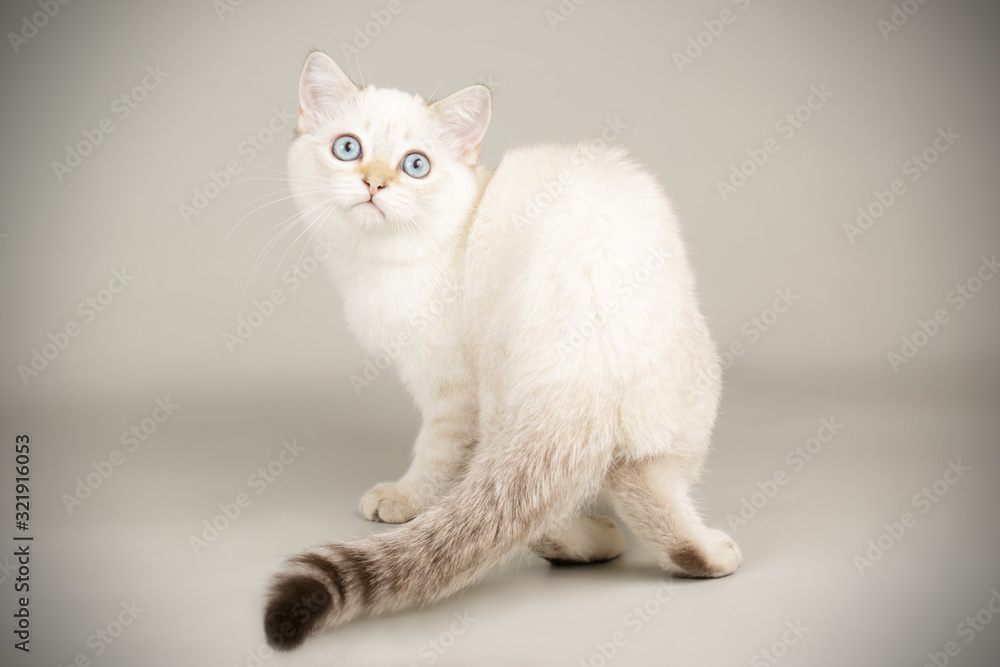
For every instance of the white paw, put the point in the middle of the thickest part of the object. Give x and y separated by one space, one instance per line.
390 502
589 539
725 555
715 556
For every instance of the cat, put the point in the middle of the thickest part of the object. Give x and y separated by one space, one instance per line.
543 317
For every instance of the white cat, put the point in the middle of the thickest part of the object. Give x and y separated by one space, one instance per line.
552 349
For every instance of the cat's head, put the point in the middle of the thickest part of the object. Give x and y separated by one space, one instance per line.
383 166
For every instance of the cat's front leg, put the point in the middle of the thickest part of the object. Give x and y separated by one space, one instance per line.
440 452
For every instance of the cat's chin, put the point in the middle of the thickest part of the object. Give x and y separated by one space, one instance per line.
368 215
369 208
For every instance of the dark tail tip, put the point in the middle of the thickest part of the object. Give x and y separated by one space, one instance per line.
298 604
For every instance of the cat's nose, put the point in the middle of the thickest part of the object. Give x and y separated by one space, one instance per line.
374 184
376 176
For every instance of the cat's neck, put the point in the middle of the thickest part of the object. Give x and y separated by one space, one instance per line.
359 250
400 285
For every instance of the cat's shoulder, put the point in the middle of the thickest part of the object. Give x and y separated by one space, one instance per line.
580 156
589 168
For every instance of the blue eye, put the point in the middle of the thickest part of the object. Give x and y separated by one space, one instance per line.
346 148
416 165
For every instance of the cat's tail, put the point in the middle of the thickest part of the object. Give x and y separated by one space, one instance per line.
528 472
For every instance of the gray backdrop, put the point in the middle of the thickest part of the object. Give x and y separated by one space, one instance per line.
835 168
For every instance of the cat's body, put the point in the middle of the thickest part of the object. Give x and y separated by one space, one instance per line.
544 319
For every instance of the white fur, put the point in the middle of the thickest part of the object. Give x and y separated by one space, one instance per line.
575 317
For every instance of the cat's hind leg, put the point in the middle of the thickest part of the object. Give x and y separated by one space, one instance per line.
652 497
589 538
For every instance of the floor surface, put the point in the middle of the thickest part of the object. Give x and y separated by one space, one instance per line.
813 590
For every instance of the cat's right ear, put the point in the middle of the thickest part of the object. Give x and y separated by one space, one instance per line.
465 116
322 88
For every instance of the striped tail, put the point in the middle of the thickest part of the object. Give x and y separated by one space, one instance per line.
527 476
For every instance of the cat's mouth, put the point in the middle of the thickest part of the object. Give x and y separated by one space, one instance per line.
369 204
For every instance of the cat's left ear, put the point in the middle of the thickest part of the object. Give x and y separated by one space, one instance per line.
465 115
322 87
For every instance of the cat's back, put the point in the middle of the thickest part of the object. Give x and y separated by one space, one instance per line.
561 230
579 205
545 181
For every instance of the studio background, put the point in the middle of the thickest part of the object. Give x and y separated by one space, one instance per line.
143 161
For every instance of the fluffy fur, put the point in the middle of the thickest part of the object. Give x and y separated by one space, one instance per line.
544 319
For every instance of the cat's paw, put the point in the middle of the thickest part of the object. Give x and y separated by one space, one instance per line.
390 502
589 539
715 556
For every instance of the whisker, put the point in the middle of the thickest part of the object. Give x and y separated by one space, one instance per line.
270 244
290 246
264 205
360 73
283 179
291 222
318 225
267 248
435 90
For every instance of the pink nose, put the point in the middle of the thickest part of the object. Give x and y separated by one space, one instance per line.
373 187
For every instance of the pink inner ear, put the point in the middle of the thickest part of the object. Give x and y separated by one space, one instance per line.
466 115
322 87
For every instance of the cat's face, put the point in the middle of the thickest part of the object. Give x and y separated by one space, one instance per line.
382 163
